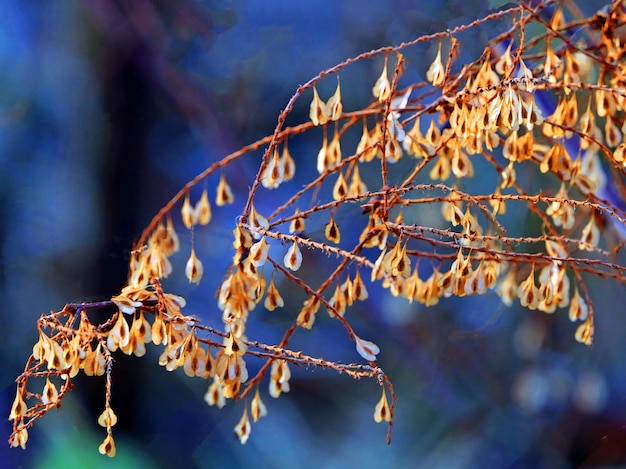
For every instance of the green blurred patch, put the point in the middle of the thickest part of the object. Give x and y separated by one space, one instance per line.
70 448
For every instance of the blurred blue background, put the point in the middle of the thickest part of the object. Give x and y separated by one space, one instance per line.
108 107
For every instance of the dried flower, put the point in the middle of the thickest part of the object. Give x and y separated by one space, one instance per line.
382 87
107 418
590 235
188 213
527 292
306 317
214 395
505 62
243 427
358 291
340 189
338 302
584 332
224 193
293 258
258 223
279 378
332 157
19 438
578 309
357 186
125 304
332 231
274 172
273 299
334 106
19 407
107 446
203 209
317 112
50 395
382 411
194 269
366 349
258 252
119 335
257 407
436 72
297 224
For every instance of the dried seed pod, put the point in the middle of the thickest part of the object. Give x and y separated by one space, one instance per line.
436 72
334 107
584 332
257 407
19 407
258 252
317 112
194 268
297 224
366 349
382 411
357 186
19 438
382 87
293 258
188 213
107 418
50 395
332 231
340 189
274 172
258 223
214 395
306 317
202 211
224 193
107 446
279 378
273 299
288 164
338 302
578 310
119 335
527 292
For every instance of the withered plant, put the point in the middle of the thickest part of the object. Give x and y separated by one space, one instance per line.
545 98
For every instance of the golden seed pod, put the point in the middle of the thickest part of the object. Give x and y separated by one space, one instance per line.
194 268
107 446
366 348
202 210
382 87
188 213
293 258
273 299
317 112
257 407
243 427
334 108
382 411
107 418
224 193
279 378
332 231
436 72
